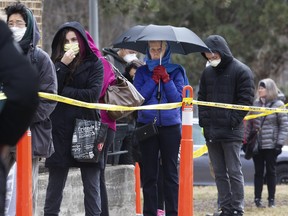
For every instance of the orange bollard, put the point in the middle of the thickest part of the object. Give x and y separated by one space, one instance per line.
138 189
24 176
185 201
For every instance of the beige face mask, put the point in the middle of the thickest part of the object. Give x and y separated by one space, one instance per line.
73 46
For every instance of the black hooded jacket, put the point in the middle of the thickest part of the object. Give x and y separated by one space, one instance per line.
85 85
20 85
231 82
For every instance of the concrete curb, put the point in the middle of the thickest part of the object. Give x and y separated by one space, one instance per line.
120 184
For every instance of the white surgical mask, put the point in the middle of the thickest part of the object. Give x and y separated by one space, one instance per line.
130 57
73 46
215 63
18 33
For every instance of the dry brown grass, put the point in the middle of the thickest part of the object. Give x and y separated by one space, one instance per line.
205 201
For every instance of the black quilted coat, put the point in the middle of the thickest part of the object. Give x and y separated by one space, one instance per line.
85 86
231 82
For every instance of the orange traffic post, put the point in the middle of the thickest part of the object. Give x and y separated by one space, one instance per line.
185 201
138 189
24 176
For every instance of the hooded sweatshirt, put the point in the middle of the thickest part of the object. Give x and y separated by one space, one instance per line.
108 79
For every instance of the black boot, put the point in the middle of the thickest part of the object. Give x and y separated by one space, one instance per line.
237 213
271 203
258 203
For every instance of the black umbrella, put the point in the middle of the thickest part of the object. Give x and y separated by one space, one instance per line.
180 39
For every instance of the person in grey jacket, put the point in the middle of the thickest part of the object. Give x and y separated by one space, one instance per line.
271 139
226 80
25 31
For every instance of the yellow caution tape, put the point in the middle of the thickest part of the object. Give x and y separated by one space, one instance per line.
199 152
187 100
241 107
110 107
2 96
248 117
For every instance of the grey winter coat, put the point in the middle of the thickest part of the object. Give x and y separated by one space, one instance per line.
41 126
274 129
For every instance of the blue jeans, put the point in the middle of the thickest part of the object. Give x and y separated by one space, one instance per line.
225 159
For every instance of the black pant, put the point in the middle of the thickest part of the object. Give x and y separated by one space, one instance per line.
167 142
265 158
3 176
91 188
103 190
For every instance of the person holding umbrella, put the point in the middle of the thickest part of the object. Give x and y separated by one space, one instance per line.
160 81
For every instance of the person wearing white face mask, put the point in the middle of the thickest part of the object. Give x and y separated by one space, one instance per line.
26 33
225 80
120 58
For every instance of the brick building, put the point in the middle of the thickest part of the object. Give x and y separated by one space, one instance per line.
35 5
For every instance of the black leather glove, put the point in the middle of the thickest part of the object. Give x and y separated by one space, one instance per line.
278 149
244 147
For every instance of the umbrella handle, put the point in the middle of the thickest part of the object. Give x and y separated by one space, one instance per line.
159 91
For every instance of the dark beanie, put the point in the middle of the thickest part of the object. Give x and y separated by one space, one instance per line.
262 84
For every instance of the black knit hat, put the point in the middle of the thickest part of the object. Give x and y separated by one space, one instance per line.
262 84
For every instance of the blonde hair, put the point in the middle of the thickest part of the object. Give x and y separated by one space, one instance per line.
271 89
163 43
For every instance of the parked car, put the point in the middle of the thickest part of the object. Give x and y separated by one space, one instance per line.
202 175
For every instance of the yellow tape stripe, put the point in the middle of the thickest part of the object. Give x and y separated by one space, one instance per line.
199 152
2 96
110 107
248 117
240 107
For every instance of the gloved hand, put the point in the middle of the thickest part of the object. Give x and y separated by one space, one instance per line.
161 71
278 149
156 78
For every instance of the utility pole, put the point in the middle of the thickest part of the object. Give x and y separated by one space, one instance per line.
93 21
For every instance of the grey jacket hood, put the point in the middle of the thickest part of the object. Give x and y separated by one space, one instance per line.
218 44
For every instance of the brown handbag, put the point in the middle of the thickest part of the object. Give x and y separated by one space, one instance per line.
122 93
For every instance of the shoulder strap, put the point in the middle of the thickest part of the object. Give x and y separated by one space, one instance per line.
35 58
